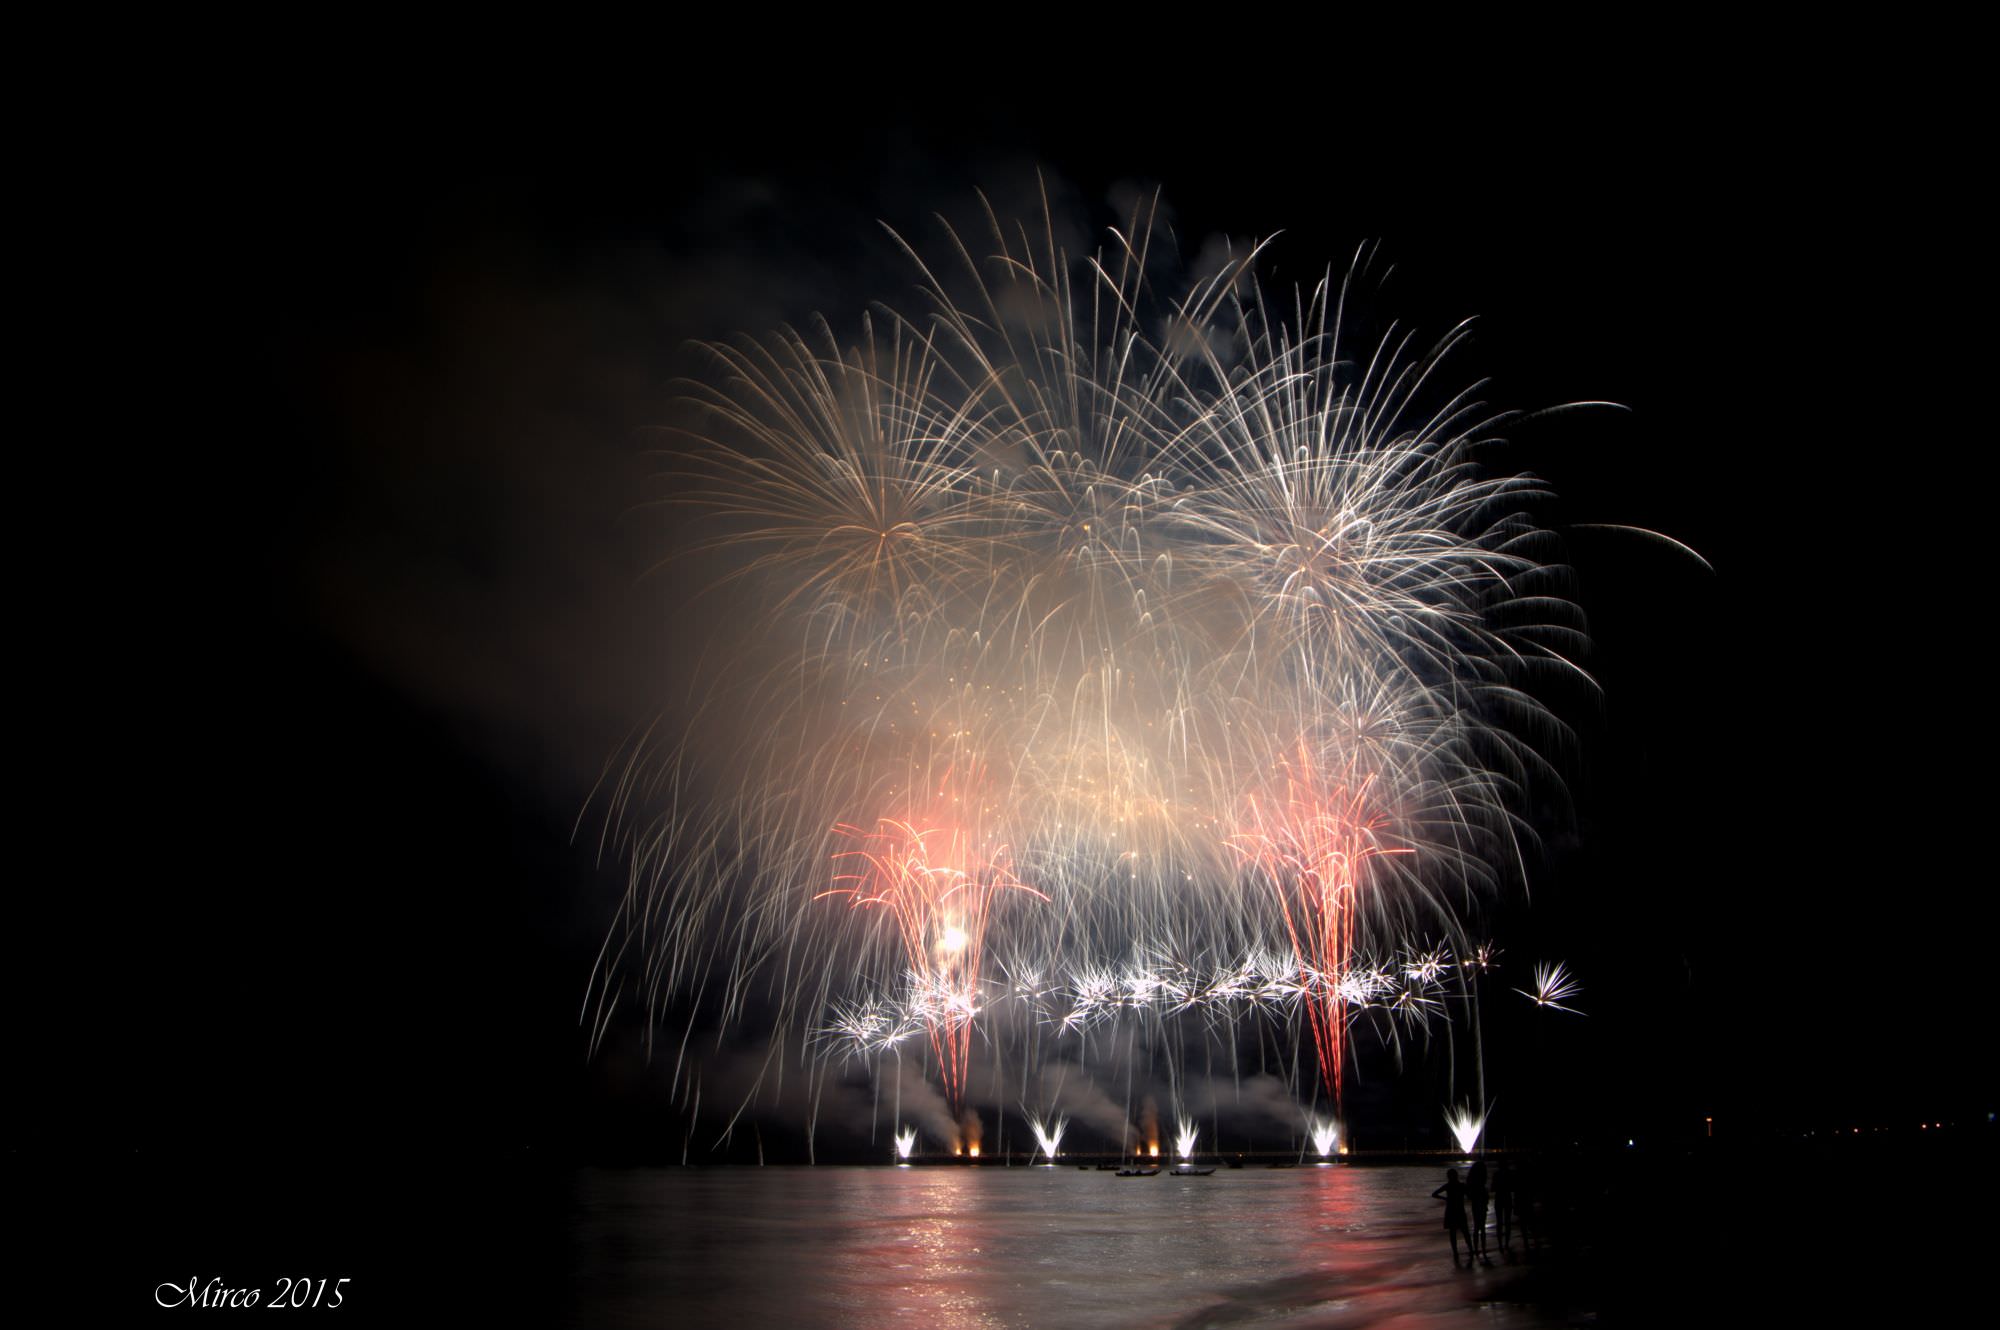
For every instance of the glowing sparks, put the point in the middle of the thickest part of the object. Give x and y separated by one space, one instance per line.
1313 845
1325 1135
1465 1126
1428 967
1554 986
1048 1138
1077 1003
906 1143
938 883
1072 615
1184 1140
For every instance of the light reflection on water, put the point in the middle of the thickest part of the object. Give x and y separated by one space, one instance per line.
949 1248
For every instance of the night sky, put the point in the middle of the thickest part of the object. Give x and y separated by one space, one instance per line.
364 591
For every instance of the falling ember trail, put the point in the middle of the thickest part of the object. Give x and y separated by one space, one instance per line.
938 882
1313 846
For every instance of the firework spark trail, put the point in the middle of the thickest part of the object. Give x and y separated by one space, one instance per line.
1049 1137
1410 988
1184 1140
1314 847
1554 986
1324 1136
938 883
1465 1126
1060 576
875 1025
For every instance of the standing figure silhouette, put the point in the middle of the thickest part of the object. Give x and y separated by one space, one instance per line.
1453 1193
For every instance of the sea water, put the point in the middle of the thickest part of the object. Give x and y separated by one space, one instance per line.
958 1248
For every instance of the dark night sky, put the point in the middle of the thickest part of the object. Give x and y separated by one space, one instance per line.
376 606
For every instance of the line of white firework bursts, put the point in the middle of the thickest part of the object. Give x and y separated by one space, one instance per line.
1464 1122
1409 988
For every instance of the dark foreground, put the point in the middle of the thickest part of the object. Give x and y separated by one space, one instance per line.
1620 1239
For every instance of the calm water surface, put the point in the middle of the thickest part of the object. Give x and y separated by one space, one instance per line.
956 1248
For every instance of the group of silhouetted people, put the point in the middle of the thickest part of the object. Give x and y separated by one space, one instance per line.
1470 1197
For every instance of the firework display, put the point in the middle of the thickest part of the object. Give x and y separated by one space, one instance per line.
1554 986
1465 1124
1324 1136
1184 1139
1048 1138
1099 639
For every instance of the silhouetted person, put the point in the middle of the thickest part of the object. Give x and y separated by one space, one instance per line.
1527 1182
1475 1194
1453 1192
1503 1203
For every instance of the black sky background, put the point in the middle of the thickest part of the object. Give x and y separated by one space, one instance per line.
375 604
